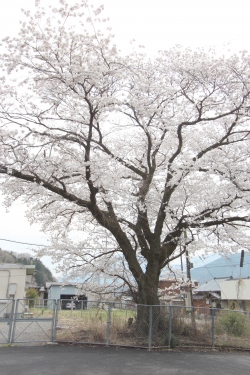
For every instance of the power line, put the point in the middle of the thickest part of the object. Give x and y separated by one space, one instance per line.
34 244
15 252
226 265
23 243
213 278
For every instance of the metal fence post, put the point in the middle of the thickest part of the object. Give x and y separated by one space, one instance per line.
108 324
57 305
54 324
11 321
150 327
170 325
213 311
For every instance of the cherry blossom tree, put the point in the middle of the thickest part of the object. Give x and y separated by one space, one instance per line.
150 155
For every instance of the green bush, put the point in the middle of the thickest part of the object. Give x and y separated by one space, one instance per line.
187 330
173 341
31 296
232 322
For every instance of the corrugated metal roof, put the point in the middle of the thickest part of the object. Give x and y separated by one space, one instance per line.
211 286
215 295
54 283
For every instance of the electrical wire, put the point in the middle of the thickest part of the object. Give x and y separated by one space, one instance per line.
15 252
23 243
213 278
35 244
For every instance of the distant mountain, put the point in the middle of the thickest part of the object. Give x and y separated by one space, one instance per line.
222 267
42 274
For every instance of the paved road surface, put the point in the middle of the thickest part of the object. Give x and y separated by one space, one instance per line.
75 360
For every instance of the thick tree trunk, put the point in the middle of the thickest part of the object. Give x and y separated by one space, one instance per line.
148 310
149 281
148 290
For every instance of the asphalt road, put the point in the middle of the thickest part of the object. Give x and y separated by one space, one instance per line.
76 360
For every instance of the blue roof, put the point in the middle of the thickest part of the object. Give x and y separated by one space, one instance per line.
223 267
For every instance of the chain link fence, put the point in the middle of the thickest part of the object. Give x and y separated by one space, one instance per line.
122 324
86 322
127 324
6 313
232 329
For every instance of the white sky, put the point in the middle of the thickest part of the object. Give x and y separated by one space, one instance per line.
156 24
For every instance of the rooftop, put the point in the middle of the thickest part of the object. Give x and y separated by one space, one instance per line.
8 266
211 286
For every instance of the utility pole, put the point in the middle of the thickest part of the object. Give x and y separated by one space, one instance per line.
190 285
242 258
181 257
106 247
188 265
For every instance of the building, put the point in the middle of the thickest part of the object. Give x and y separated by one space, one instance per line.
235 294
209 294
13 278
174 291
68 292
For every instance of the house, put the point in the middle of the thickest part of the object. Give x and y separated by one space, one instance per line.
175 291
13 278
209 294
67 292
235 294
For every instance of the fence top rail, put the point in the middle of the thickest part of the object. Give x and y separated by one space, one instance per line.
34 299
99 304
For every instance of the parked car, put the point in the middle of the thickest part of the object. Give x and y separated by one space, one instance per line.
70 305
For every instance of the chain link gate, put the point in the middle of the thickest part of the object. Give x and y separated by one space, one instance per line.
34 322
6 320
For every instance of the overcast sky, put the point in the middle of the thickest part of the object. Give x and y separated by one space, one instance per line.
156 24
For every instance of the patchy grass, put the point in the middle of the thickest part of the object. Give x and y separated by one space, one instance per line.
92 326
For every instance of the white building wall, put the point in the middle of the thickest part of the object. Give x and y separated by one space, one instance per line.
235 289
16 278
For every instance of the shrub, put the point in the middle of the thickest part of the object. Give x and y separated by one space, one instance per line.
232 322
31 296
173 341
